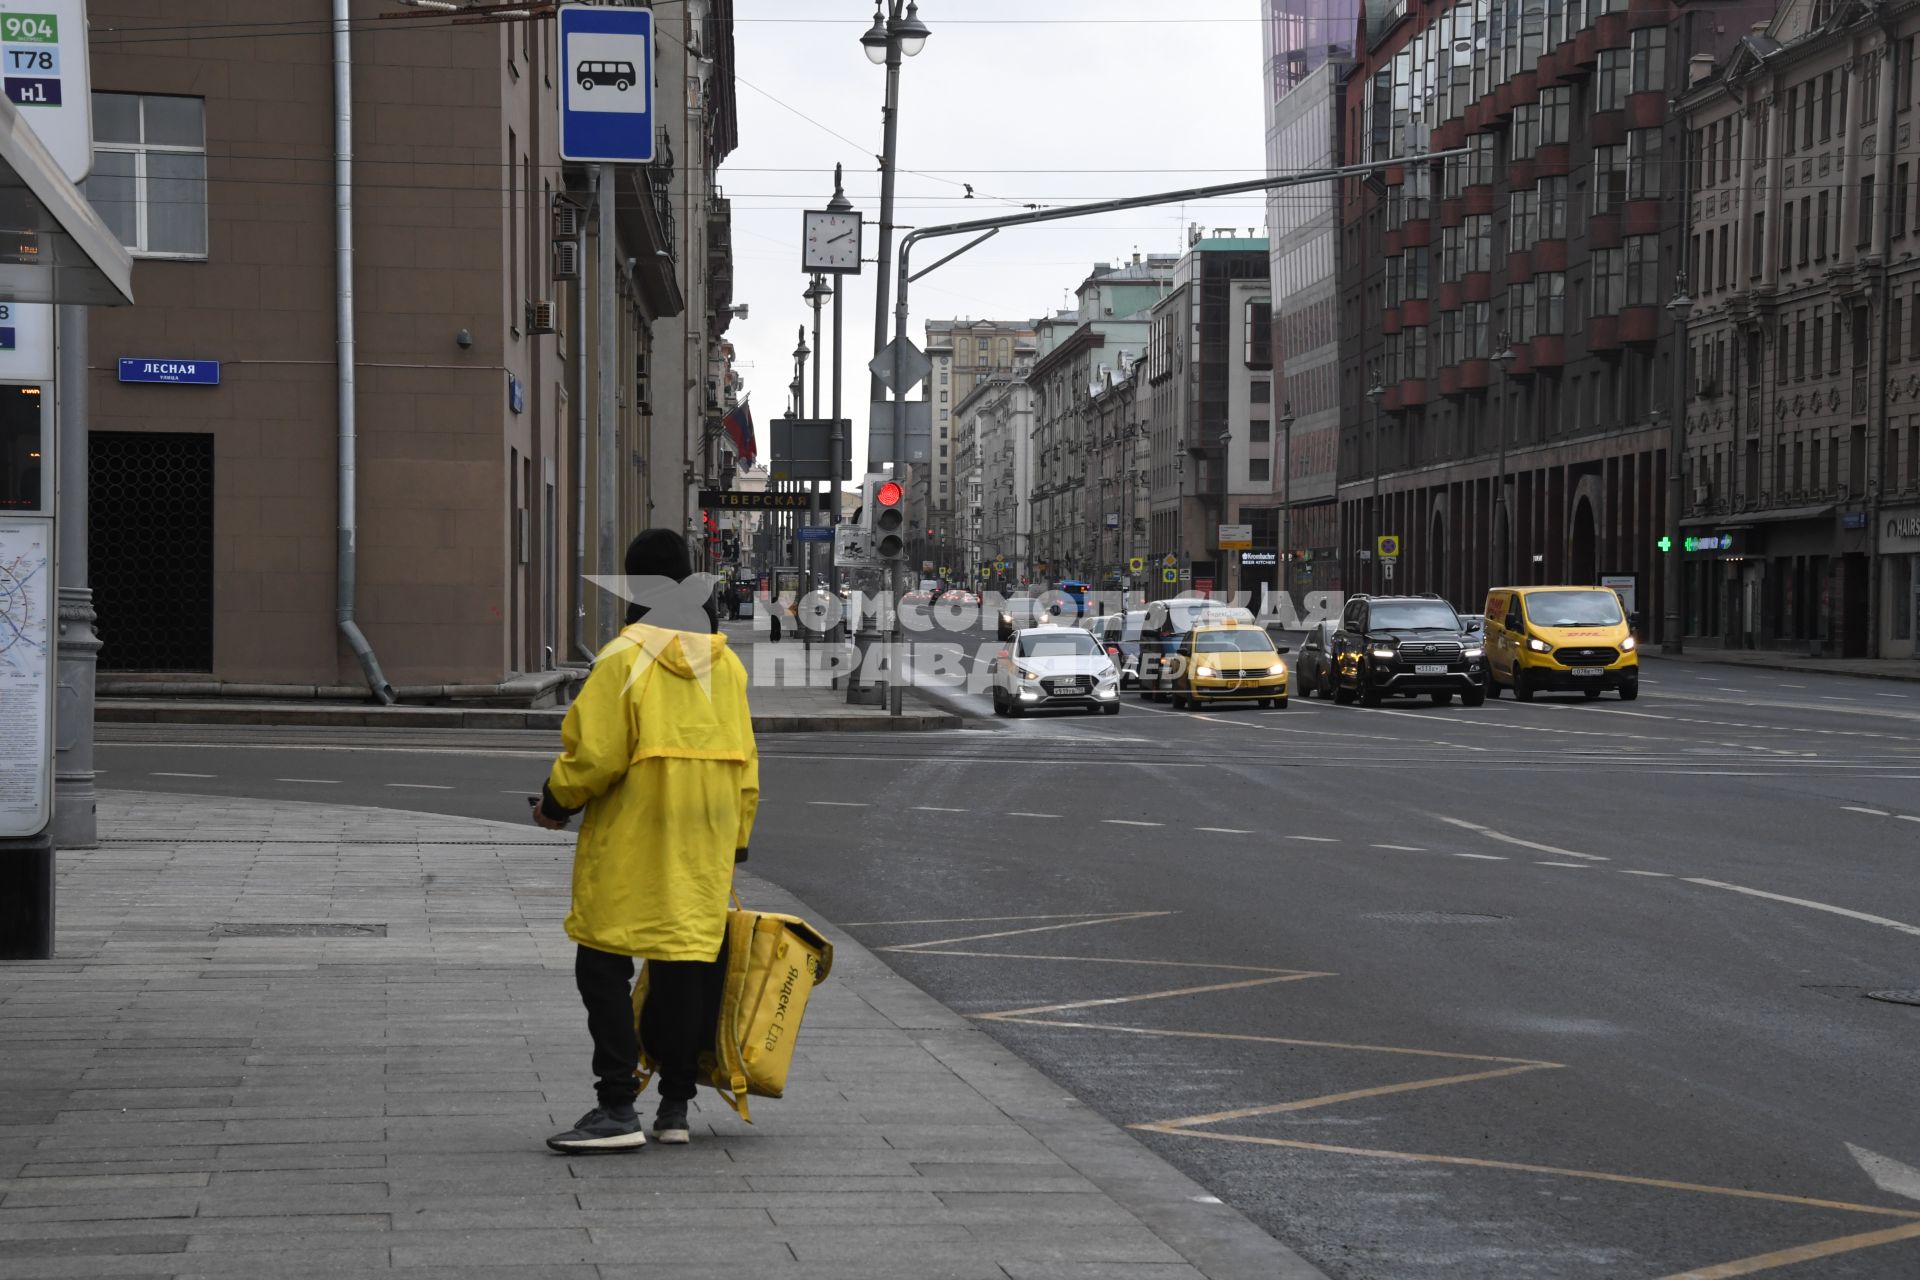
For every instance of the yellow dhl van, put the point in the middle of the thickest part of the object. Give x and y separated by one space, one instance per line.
1558 639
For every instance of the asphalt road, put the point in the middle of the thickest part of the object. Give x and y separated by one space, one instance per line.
1564 989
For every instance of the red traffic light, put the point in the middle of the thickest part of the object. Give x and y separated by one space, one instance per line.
888 494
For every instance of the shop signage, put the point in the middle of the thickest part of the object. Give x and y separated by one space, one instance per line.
1900 532
1259 559
1715 543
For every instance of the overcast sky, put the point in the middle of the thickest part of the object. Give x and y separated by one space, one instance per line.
1047 101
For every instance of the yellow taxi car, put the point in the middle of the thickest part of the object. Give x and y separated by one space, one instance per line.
1553 639
1228 661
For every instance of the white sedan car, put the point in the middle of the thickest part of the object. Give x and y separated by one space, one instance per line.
1053 667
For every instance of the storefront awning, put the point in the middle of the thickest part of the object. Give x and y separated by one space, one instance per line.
53 246
1746 518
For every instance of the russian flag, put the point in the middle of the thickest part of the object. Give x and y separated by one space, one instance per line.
738 424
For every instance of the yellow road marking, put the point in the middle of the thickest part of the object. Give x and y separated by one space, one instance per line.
1474 1162
1327 1100
1801 1253
1011 933
1103 1001
1249 1038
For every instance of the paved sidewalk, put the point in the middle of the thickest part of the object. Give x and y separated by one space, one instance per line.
1869 668
178 1098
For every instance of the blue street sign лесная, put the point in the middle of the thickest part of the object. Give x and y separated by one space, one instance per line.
606 84
199 373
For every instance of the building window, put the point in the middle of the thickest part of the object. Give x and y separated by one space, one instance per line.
1521 300
149 179
1260 432
1644 179
1899 225
1417 272
1649 59
1609 178
1480 163
1477 314
1259 469
1551 201
1550 291
1453 244
1480 242
1556 114
1520 220
1448 343
1820 235
1523 137
1780 352
1757 247
1609 281
1865 236
1614 80
1786 235
1806 226
1260 391
1643 271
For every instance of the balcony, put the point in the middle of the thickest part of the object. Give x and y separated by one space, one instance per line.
1607 128
1478 286
1411 391
1390 320
1550 255
1417 233
1478 200
1603 334
1639 324
1549 351
1519 266
1641 218
1610 31
1392 244
1646 13
1450 380
1475 375
1646 110
1586 49
1553 160
1453 211
1448 298
1603 231
1415 312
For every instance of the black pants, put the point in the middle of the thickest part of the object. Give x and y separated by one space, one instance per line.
683 1002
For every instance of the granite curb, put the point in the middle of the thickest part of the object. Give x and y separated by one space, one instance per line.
1858 669
170 711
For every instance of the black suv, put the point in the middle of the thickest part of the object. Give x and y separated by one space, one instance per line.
1388 645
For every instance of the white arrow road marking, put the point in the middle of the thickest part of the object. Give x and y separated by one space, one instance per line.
1887 1173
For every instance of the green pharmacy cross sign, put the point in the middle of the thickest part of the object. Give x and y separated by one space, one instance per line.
1665 543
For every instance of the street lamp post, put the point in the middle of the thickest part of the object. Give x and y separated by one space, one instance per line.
799 389
1500 545
839 204
1286 497
818 291
896 33
1674 586
1374 392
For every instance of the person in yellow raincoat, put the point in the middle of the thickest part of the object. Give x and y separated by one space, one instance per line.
660 754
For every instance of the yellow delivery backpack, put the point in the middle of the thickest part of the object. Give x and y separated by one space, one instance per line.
773 964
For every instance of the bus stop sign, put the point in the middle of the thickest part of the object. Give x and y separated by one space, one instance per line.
606 84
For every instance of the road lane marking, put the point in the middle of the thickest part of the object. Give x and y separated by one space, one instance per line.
334 782
839 804
1019 814
1129 822
1482 857
420 786
1800 1253
1856 808
1315 839
1887 1173
1571 866
1516 840
1118 917
934 808
1226 831
1664 875
158 774
1285 975
1068 915
1402 848
1810 904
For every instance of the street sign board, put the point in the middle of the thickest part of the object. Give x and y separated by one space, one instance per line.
43 55
880 433
914 365
27 614
1624 584
803 449
26 342
1170 560
1388 545
199 373
606 84
1386 570
1235 537
1169 575
853 547
741 500
1136 564
815 533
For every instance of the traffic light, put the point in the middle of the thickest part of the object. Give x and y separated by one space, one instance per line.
883 504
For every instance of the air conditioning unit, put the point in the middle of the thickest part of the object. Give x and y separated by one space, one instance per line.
542 316
1702 494
566 259
568 219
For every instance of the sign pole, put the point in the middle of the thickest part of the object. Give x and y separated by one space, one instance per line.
604 195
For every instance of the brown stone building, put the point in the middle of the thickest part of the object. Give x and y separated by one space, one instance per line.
216 524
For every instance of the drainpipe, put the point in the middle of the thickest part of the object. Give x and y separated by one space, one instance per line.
343 331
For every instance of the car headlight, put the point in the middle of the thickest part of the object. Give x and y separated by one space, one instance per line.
1277 669
1385 654
1629 645
1205 673
1029 675
1538 645
1475 652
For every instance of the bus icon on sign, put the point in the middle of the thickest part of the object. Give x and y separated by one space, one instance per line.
618 74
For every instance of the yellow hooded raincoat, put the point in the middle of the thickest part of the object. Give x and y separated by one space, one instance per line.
660 750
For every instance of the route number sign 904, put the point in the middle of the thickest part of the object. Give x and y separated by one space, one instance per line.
30 28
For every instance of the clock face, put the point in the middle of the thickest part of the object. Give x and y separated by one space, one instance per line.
831 242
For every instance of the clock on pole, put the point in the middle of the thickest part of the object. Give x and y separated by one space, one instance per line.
830 242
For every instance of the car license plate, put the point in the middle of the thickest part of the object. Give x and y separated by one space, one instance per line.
1430 669
1069 686
1589 671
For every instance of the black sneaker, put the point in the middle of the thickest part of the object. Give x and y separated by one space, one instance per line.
614 1128
670 1123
